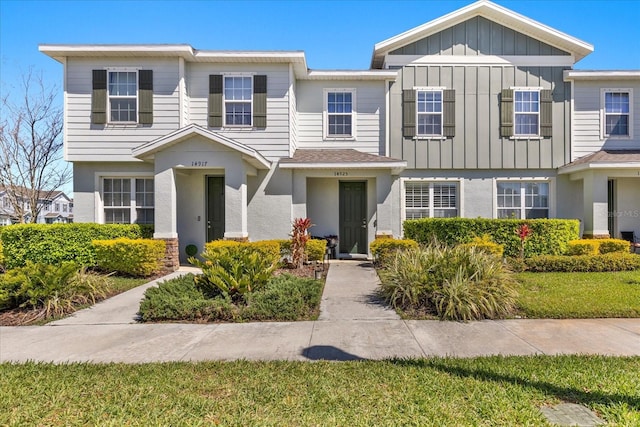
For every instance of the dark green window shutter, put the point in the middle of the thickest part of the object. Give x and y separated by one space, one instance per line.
506 113
409 113
145 97
215 101
99 97
546 113
260 102
449 113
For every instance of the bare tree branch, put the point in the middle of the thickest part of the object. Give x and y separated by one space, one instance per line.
31 148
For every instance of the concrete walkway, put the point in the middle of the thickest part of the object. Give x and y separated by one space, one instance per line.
352 325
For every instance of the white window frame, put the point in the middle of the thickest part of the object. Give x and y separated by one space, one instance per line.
523 135
109 97
551 208
430 136
459 195
224 100
99 192
603 113
325 115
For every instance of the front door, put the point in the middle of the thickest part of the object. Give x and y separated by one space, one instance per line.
215 208
353 217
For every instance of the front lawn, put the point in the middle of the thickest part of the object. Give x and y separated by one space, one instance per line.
424 392
579 295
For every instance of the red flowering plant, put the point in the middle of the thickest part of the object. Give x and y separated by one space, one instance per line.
299 238
523 231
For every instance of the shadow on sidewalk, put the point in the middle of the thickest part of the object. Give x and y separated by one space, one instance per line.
328 352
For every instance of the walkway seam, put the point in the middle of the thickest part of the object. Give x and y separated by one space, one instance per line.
609 321
504 326
404 321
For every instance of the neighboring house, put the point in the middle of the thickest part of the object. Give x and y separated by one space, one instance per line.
468 115
55 207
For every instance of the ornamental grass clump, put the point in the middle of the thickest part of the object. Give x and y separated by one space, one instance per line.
452 283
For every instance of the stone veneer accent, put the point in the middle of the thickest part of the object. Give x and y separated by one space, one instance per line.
171 260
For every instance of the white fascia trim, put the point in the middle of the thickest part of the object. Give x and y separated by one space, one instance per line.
351 75
492 12
495 60
359 165
600 75
589 166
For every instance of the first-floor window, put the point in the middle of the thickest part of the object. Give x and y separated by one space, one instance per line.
523 200
128 200
430 200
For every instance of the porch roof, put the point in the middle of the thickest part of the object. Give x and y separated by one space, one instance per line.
147 150
604 159
342 159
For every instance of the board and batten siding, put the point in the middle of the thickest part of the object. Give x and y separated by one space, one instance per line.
272 142
587 118
478 36
88 142
477 143
293 112
369 122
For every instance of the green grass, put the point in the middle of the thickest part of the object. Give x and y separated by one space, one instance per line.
579 295
123 284
427 392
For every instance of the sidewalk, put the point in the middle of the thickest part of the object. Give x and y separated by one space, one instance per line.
352 325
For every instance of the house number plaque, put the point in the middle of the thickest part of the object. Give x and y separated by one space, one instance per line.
341 174
198 163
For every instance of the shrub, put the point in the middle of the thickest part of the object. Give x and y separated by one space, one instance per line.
57 243
139 257
550 236
315 249
585 263
583 247
485 244
608 246
383 248
180 299
285 298
233 270
269 249
299 238
455 283
1 258
55 289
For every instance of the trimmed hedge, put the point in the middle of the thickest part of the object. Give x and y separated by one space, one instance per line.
57 243
597 246
136 257
314 251
485 245
584 263
268 249
383 247
549 237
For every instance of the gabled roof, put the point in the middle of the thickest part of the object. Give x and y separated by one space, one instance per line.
578 48
340 159
604 159
147 150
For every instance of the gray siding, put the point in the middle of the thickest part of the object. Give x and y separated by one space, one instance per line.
587 125
478 36
477 143
88 142
369 124
272 142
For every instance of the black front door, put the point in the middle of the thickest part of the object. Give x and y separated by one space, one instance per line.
215 208
353 217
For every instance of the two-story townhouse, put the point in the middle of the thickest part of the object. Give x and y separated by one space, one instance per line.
603 179
54 206
480 111
235 145
467 115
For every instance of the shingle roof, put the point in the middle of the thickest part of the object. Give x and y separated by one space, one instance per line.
345 156
609 156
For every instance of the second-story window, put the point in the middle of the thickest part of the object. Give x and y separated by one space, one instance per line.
616 113
238 92
57 207
429 103
64 208
123 96
339 113
527 112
